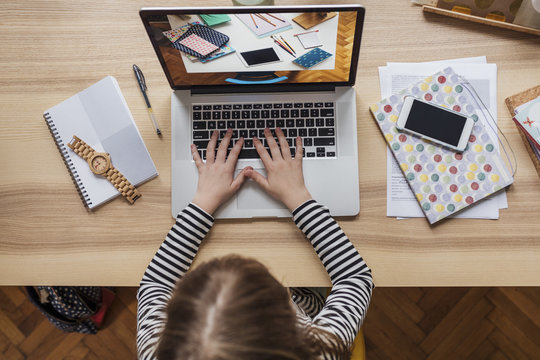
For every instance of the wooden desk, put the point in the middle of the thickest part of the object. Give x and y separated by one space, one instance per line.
53 49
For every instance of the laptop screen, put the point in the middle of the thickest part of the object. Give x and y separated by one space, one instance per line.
238 46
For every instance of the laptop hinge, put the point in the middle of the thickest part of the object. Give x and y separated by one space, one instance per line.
261 88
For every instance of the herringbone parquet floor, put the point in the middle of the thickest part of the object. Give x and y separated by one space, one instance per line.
402 323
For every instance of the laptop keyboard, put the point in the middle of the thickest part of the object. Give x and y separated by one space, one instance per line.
314 122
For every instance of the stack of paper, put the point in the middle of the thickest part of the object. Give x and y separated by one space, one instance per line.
394 77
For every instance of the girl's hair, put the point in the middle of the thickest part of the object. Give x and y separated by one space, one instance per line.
233 308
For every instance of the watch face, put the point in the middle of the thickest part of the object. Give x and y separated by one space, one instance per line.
99 164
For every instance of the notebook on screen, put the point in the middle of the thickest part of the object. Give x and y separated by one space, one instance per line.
255 80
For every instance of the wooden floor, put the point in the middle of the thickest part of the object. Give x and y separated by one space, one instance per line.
402 323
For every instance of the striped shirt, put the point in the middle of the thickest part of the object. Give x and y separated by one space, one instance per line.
342 313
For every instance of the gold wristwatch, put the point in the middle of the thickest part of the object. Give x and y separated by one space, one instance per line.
100 164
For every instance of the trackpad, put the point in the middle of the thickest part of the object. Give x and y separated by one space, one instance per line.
251 196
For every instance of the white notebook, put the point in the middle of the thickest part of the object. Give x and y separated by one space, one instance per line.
99 115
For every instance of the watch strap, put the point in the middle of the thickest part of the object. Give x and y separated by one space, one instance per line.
123 185
81 148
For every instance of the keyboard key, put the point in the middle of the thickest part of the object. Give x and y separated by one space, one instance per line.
212 125
293 132
267 106
288 105
310 122
330 154
246 106
243 133
329 122
257 106
274 113
270 124
231 124
246 114
206 115
324 141
321 152
314 113
308 105
295 113
199 125
240 124
197 115
216 115
236 114
207 107
308 141
328 104
327 112
201 135
326 132
260 124
319 105
227 107
312 132
255 114
280 123
319 122
278 106
298 105
304 113
310 154
197 107
216 107
265 114
237 106
253 133
222 134
250 124
285 113
201 144
248 154
226 115
300 123
221 124
302 132
248 143
289 123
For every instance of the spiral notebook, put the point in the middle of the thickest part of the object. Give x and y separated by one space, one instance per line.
99 115
444 181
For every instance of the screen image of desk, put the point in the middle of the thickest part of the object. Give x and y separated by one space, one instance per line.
335 35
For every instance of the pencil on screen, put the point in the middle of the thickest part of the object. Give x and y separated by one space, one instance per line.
265 19
254 23
275 17
286 43
307 32
281 45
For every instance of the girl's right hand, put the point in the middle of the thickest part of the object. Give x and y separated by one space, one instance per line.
285 181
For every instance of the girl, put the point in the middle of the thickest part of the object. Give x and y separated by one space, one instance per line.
232 307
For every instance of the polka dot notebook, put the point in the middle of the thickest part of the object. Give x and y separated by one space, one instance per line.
444 181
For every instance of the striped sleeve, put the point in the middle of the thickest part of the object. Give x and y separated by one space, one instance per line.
352 284
169 264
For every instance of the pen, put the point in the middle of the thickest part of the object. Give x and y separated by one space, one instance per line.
142 84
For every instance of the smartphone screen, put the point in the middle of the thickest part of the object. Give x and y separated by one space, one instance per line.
436 123
262 56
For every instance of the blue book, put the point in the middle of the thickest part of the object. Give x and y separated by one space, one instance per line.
312 58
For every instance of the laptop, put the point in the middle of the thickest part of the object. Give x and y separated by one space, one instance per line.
248 68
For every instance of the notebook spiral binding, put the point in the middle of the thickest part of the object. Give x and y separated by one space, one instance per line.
67 160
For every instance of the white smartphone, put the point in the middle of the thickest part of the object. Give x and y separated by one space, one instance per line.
435 123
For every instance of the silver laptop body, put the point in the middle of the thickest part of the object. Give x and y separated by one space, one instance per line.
332 181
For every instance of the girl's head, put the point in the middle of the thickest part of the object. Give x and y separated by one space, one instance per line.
233 308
